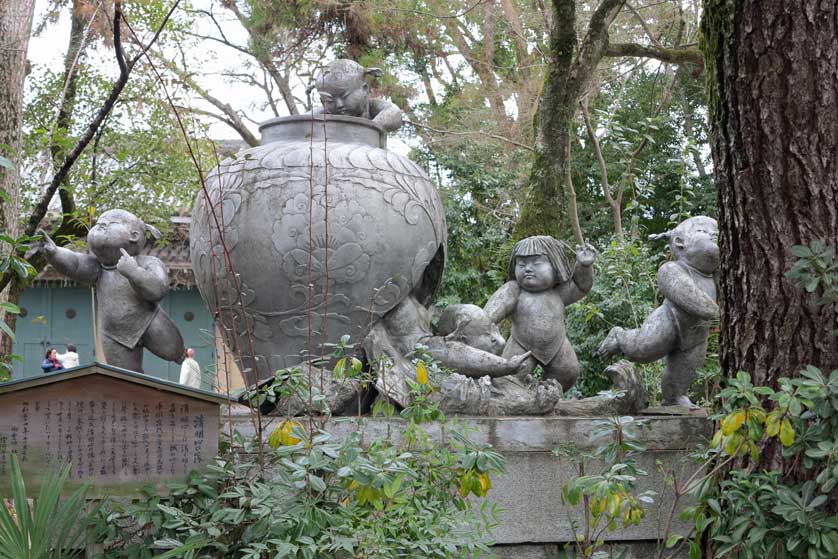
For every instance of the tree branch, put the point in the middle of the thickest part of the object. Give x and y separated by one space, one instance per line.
233 119
670 56
125 67
474 133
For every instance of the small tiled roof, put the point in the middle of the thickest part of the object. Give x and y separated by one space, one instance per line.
96 368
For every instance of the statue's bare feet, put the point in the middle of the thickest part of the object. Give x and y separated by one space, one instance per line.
611 344
681 401
547 394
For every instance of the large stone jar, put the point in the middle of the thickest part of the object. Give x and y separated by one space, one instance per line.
321 198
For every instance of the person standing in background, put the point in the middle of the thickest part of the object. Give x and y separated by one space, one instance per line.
51 362
69 359
190 371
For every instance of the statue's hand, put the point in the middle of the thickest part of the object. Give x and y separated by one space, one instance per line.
48 245
127 264
586 255
519 363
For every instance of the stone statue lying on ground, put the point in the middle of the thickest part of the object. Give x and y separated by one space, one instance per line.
343 90
540 285
467 343
679 328
514 396
128 288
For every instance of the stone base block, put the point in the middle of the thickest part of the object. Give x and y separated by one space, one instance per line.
529 492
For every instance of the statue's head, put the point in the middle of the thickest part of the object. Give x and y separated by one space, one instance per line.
695 241
343 88
115 230
538 263
471 326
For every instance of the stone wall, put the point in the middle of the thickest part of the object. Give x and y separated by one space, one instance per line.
534 522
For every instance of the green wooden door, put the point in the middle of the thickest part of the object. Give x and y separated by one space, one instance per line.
52 317
56 316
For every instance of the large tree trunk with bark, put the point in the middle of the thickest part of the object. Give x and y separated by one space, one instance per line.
15 27
773 93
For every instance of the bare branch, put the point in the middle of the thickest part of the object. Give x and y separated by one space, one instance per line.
231 116
643 24
474 133
670 56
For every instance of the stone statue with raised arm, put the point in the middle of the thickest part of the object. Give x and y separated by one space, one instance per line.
540 285
128 287
343 90
679 328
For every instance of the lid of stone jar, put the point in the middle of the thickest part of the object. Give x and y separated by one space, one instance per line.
331 128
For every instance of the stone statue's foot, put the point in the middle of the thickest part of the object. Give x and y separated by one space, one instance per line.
547 394
611 344
681 401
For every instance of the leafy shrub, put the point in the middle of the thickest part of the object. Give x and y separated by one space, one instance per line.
405 495
49 527
754 512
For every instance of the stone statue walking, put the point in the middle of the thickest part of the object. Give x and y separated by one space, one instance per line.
678 329
128 288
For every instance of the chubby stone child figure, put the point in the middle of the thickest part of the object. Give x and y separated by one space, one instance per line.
344 90
540 286
677 329
128 289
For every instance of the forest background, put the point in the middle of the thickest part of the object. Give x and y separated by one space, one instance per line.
476 83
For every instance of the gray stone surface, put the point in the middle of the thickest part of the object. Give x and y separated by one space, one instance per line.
678 329
529 491
128 287
297 207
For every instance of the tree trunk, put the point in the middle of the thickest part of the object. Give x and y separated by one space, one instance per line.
570 70
15 27
773 95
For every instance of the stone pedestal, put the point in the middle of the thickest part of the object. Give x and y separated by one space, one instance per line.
534 522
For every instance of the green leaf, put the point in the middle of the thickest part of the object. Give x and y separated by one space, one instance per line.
5 328
695 550
10 307
672 540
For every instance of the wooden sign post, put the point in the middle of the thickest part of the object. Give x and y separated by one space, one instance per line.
118 429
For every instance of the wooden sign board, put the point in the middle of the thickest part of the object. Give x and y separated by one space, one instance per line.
118 429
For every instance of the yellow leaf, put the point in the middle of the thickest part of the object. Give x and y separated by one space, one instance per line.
274 439
465 483
733 422
281 436
485 483
772 424
421 373
717 439
786 433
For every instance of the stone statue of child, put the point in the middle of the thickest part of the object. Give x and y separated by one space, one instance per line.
128 289
678 329
468 342
540 286
344 90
